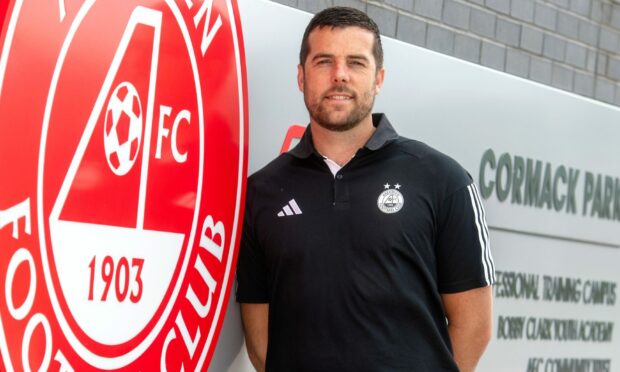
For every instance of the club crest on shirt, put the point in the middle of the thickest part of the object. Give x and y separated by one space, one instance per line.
391 200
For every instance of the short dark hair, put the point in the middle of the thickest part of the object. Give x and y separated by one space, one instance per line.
340 16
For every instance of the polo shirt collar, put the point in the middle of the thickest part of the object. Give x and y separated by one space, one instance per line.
383 135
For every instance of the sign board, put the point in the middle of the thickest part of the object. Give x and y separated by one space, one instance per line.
123 152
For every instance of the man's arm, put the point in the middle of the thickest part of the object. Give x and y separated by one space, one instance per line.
470 324
255 322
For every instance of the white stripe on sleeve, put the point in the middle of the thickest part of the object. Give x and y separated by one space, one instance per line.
486 233
481 237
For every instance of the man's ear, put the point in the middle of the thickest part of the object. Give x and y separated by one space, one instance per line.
379 80
300 77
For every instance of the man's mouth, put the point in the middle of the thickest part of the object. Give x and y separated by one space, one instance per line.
341 94
339 97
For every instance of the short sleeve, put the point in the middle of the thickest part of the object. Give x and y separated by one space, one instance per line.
463 251
251 267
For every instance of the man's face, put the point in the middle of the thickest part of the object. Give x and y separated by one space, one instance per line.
339 77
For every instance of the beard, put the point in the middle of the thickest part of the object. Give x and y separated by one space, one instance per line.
327 117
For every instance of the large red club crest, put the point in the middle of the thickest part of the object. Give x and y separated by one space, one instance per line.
123 147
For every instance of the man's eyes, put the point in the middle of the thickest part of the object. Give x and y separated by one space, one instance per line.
353 62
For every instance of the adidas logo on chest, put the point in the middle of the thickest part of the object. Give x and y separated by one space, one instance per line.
290 209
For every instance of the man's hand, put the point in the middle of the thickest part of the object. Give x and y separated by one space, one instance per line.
470 323
255 326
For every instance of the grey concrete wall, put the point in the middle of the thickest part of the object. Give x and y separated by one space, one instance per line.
572 45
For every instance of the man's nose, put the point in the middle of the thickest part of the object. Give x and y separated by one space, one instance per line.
340 73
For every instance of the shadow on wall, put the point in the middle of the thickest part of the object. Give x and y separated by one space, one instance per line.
230 343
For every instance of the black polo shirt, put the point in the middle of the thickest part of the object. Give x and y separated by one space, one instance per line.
353 265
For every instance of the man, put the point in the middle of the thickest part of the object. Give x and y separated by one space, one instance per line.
361 250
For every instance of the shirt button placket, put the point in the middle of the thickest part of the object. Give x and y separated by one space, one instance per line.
341 194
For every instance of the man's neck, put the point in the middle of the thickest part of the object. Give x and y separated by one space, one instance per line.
341 146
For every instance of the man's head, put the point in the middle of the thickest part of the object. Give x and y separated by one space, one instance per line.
340 17
340 70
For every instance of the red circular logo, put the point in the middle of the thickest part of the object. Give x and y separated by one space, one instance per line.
123 148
